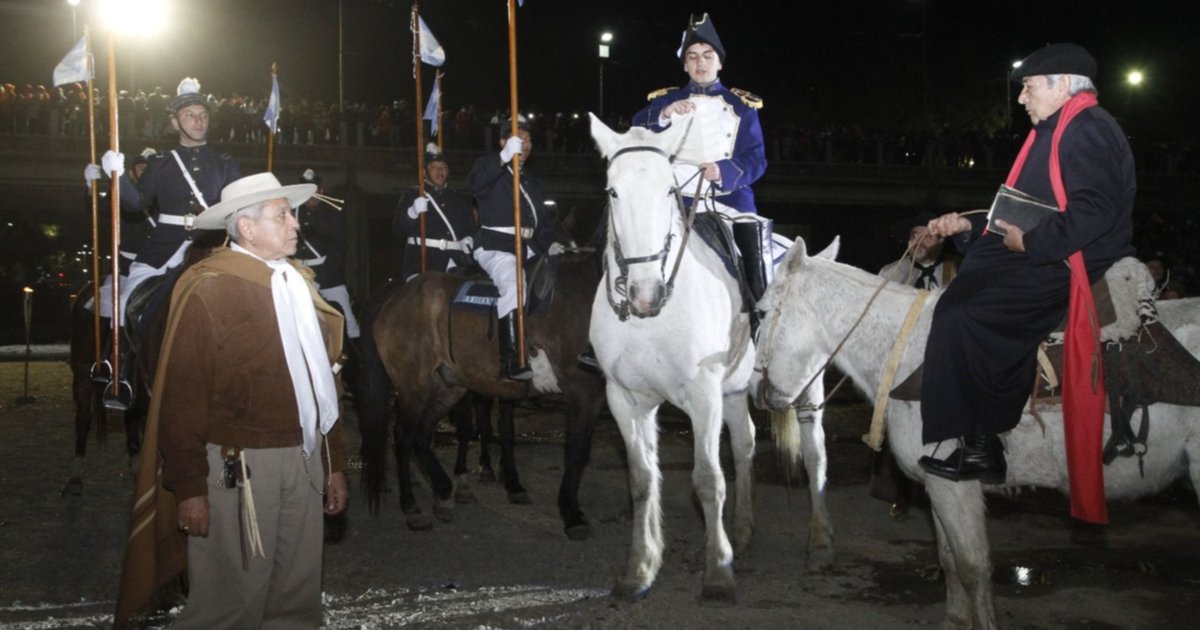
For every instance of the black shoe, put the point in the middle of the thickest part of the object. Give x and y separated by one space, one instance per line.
979 457
587 360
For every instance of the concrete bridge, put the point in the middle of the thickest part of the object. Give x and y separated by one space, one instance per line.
43 175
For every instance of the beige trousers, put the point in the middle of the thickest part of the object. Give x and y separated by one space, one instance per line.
283 590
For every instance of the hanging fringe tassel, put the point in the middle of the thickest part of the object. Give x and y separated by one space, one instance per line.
334 202
252 534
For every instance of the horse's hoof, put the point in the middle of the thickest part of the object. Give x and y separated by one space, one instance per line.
486 476
741 540
444 512
819 560
519 497
418 522
629 592
74 487
462 491
724 594
581 531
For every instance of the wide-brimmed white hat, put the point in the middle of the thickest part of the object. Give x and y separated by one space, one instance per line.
248 191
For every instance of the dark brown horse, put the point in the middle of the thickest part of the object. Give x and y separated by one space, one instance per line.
426 356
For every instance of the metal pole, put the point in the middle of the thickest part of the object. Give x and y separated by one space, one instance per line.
601 108
27 399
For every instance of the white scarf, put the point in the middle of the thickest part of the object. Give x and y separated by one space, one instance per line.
304 348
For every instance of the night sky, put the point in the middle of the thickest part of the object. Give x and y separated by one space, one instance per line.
881 63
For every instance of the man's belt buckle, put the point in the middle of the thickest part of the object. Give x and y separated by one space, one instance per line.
189 221
526 232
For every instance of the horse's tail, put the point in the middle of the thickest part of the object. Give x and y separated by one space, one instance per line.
372 395
785 431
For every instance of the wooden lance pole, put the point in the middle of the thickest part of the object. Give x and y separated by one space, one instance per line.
518 242
416 31
94 192
115 197
274 124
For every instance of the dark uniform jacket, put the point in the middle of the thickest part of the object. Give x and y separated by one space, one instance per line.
322 243
455 222
491 182
982 351
164 191
745 162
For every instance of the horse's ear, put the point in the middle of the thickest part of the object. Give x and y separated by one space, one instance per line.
831 251
795 257
606 139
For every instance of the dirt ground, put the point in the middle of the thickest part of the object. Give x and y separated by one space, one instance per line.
499 565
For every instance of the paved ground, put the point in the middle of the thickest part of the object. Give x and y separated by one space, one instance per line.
507 566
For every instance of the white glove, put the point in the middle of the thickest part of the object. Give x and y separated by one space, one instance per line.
91 173
469 243
419 206
556 248
113 161
512 146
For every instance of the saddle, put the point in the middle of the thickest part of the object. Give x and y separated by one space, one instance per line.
714 230
479 294
1143 362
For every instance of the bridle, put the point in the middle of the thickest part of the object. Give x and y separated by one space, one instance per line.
619 284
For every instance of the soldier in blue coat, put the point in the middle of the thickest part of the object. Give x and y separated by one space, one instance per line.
491 182
322 248
177 185
450 227
722 154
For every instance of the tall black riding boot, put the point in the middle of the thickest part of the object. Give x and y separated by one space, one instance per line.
753 240
981 456
509 367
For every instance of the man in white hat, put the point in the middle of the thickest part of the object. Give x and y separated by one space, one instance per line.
246 409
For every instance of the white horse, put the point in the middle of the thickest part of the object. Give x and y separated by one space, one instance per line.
666 327
816 302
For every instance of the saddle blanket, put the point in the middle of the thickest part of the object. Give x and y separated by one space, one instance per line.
476 295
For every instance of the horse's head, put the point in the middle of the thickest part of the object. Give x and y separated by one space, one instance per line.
645 215
791 348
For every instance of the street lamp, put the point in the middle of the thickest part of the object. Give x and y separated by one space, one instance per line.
142 18
74 31
605 39
1008 92
1135 78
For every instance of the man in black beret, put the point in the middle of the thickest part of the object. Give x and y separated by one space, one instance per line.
1013 289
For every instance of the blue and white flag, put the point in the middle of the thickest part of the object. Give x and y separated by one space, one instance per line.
432 52
73 67
431 108
271 116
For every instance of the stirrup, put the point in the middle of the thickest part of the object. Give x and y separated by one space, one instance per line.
519 373
587 361
101 372
122 400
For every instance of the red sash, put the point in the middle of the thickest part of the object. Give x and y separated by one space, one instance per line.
1083 380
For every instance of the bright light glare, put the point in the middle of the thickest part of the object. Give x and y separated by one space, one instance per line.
1135 77
606 37
134 17
73 3
1017 64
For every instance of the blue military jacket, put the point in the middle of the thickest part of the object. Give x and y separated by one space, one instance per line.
454 222
322 245
736 138
163 191
491 182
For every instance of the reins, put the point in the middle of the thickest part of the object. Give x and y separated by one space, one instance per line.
619 284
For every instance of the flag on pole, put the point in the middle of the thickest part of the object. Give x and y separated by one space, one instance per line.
432 52
431 108
271 116
74 67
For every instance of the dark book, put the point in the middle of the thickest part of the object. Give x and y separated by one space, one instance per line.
1017 208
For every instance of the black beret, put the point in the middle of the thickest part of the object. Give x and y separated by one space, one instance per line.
1057 59
903 227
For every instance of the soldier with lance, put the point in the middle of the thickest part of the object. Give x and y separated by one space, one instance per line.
322 248
450 224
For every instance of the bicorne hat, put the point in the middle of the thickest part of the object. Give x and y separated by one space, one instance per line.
1061 58
701 31
248 191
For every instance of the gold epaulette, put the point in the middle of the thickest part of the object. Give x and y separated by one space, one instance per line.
751 101
657 93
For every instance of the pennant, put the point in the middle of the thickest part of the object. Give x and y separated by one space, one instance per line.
431 108
74 67
432 52
271 116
